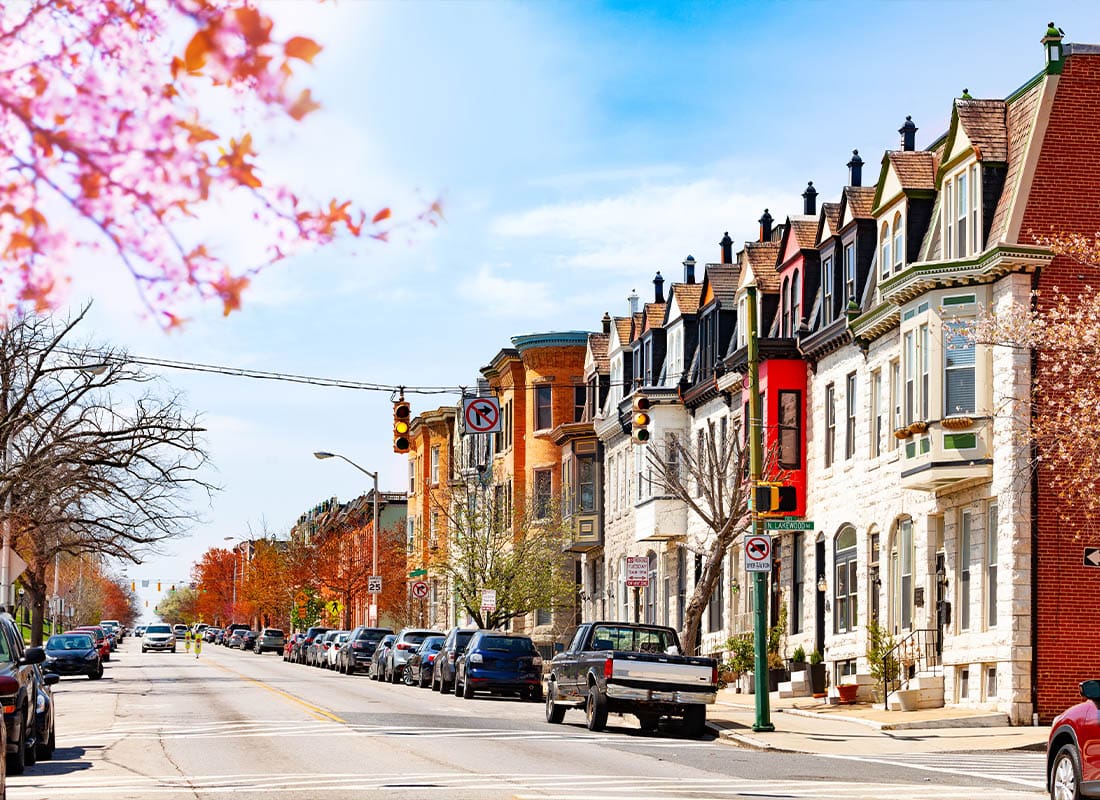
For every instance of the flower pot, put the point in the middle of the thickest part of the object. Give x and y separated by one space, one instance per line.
920 426
908 699
776 677
847 692
956 423
902 433
817 678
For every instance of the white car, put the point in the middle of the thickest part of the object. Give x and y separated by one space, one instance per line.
158 637
334 649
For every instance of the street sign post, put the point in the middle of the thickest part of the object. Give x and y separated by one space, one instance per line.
637 571
481 414
419 589
787 525
418 573
488 600
374 584
758 553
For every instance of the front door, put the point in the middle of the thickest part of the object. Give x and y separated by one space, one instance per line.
819 603
943 607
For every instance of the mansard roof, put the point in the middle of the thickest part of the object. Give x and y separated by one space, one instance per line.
687 297
654 317
860 200
762 257
720 283
804 230
597 345
985 126
828 221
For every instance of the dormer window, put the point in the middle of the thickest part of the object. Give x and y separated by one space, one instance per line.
796 305
849 272
827 284
899 242
884 242
962 207
785 325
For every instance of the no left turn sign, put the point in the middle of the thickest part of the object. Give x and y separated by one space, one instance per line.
758 553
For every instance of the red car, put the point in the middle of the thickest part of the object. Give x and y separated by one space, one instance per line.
102 643
1073 749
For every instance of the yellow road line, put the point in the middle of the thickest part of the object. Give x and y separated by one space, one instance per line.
318 713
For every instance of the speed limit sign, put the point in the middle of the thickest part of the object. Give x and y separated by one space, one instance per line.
419 589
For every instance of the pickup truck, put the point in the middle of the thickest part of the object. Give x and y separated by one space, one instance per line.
618 667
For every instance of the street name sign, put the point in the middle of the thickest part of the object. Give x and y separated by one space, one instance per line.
374 584
758 553
787 525
481 414
637 571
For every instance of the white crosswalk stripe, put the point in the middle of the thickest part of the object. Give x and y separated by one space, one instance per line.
1024 769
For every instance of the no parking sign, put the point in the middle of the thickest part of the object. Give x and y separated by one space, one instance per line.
758 553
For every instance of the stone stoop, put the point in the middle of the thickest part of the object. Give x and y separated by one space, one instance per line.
930 688
797 686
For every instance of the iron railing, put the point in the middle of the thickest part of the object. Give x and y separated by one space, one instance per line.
918 652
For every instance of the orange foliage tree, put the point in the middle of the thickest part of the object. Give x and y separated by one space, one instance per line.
264 587
102 124
214 577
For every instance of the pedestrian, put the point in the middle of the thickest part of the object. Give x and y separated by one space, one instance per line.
198 646
187 640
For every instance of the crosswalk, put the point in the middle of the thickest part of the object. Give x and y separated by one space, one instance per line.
1024 769
483 785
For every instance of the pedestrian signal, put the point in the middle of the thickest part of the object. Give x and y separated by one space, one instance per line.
775 498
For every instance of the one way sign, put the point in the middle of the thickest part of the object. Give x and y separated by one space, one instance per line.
1092 557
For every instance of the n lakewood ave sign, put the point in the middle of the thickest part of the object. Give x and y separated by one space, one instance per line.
788 525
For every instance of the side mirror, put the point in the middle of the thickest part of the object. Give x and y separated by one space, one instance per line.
33 655
1090 690
50 678
558 648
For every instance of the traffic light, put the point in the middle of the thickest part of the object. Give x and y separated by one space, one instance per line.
158 586
775 498
400 426
639 421
133 586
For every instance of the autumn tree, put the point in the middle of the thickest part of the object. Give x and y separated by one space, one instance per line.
180 605
393 567
215 578
108 142
712 480
342 561
517 556
264 586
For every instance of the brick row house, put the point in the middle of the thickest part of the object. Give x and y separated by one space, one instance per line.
906 442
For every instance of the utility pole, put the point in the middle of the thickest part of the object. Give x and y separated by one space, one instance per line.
759 579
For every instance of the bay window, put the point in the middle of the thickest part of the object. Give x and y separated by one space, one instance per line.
958 370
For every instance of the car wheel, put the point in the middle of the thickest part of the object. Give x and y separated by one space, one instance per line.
1065 774
554 713
695 721
407 676
421 682
95 676
17 761
535 695
173 650
349 668
595 710
31 742
44 750
145 649
467 689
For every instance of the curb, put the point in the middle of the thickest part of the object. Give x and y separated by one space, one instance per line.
748 741
988 721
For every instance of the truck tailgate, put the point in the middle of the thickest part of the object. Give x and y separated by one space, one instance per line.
672 670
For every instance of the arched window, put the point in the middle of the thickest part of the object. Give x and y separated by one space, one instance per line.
884 249
785 324
902 560
899 243
624 592
651 590
845 587
796 304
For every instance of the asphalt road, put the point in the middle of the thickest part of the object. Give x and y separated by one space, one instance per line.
163 725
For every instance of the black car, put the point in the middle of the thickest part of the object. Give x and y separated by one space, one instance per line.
360 647
73 654
303 646
248 639
443 670
418 669
499 662
19 692
45 716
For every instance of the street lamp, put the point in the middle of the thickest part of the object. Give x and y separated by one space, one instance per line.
372 614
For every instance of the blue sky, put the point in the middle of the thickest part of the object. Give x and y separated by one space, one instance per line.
578 148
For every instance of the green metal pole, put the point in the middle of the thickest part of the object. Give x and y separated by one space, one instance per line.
760 579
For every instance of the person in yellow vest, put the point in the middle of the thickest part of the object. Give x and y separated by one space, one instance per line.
187 640
198 644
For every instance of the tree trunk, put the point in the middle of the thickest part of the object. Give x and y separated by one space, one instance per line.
704 588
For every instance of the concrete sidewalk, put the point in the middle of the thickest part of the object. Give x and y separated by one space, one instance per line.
806 725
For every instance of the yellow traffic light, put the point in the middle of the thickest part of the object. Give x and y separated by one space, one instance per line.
639 422
401 414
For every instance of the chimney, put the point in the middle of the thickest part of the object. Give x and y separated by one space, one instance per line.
765 227
855 170
908 133
727 248
606 321
809 199
658 288
689 269
633 300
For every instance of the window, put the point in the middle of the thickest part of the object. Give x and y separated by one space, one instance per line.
544 413
964 684
798 579
850 421
785 327
949 219
915 350
742 322
873 579
412 476
580 402
849 273
542 493
975 207
991 681
827 283
895 400
702 458
962 200
845 587
964 571
435 465
958 370
884 259
925 358
717 603
901 574
991 568
543 616
878 414
790 429
796 304
672 456
830 423
899 243
586 484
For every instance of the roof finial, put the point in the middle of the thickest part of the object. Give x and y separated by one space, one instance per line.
966 95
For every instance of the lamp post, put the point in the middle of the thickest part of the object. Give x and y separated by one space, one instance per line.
372 613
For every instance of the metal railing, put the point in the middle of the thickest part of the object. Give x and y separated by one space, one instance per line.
916 653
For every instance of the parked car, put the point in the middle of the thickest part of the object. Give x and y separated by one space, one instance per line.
158 637
616 667
236 626
271 639
113 626
45 739
180 630
318 651
307 642
289 645
499 662
247 639
102 642
378 660
418 669
19 693
139 631
408 639
73 654
357 652
1073 748
211 635
443 670
337 642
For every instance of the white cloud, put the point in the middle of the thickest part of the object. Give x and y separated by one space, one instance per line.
499 296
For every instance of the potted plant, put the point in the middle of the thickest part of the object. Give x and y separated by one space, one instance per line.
919 426
847 692
817 674
884 664
740 659
798 660
957 422
777 669
902 433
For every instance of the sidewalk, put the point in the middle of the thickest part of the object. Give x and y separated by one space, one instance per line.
806 725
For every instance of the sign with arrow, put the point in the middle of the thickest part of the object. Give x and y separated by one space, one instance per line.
481 414
1092 557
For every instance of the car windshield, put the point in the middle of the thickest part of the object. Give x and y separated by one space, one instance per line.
158 629
69 642
507 644
416 638
463 639
370 636
273 632
635 640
